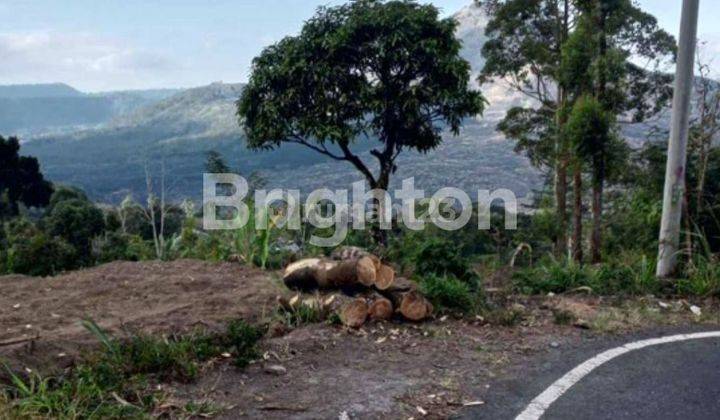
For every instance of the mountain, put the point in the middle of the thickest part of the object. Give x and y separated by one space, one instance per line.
48 90
176 130
110 161
30 110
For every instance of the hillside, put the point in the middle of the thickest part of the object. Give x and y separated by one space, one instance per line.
50 109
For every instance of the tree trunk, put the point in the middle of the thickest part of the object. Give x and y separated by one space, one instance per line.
379 235
702 175
577 214
561 205
596 240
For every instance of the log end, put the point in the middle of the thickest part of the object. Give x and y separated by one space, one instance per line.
385 277
354 313
414 307
381 309
366 272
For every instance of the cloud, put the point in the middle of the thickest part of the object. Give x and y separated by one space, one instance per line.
92 61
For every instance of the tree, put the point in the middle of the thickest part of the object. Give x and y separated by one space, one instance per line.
597 62
215 164
704 128
388 71
524 48
20 179
78 222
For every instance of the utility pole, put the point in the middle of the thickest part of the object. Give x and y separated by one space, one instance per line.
677 149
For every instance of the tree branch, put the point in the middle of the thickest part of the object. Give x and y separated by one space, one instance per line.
323 149
358 163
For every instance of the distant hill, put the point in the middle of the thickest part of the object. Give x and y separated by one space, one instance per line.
109 161
49 90
29 110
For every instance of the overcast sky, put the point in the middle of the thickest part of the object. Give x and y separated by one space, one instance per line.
136 44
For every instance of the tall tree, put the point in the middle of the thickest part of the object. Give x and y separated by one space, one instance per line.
524 47
370 69
600 54
20 179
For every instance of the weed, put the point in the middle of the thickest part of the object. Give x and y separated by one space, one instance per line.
241 338
703 278
506 317
301 314
563 317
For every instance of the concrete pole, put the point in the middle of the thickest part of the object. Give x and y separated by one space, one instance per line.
677 149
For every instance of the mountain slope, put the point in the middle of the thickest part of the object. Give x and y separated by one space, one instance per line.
49 90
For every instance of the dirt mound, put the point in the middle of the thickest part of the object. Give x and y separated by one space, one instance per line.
40 320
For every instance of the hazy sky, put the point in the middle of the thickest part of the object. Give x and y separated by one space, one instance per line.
97 45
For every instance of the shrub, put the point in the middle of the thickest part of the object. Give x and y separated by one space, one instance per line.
448 292
112 246
443 258
40 255
241 338
550 277
138 249
703 279
78 222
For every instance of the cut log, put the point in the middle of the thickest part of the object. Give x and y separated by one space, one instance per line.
303 274
401 284
375 261
379 308
348 253
354 313
385 277
414 307
351 273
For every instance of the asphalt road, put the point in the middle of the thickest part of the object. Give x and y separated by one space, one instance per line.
668 381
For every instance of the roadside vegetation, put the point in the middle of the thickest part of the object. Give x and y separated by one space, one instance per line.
121 379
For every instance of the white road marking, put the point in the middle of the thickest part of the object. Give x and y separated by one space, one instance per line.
542 402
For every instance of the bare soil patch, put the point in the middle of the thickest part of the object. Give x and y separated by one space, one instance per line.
42 315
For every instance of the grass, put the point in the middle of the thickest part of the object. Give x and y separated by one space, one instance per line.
631 276
302 314
449 293
703 279
116 382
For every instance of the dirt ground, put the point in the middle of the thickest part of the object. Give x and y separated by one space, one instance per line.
384 370
43 315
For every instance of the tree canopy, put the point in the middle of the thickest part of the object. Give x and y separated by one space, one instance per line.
388 71
20 179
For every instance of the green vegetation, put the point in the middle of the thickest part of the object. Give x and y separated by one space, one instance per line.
399 84
612 192
615 277
449 293
117 381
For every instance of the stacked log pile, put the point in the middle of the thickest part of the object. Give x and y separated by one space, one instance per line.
370 289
